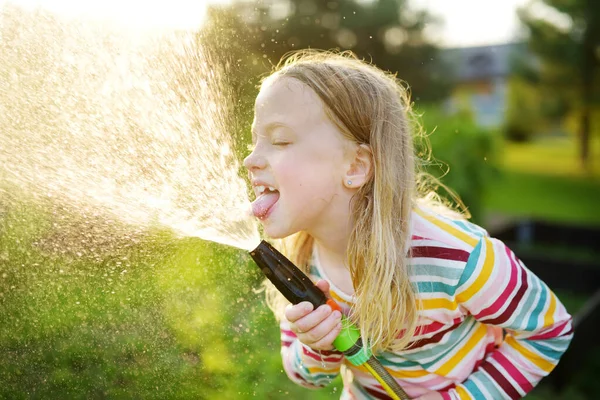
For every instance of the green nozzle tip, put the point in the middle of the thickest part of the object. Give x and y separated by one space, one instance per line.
348 336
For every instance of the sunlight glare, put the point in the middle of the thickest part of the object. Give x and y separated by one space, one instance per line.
173 14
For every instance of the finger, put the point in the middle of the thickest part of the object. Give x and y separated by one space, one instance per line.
324 286
322 329
314 318
295 312
326 342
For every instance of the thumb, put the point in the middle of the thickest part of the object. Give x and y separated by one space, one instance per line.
324 286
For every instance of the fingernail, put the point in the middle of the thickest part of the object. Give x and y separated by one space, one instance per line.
308 307
326 308
337 314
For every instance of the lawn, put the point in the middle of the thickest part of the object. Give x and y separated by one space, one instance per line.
553 156
541 196
544 180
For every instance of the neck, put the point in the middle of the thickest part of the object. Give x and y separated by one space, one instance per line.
332 243
332 231
332 255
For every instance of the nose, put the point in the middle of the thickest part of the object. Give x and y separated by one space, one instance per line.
255 160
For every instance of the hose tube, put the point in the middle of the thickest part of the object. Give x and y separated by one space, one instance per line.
296 287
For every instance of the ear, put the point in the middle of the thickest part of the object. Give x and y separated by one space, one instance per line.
360 166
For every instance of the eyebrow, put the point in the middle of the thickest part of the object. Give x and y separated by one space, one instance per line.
269 128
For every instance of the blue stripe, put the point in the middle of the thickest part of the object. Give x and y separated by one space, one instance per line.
435 287
472 388
552 353
490 385
404 364
533 285
469 227
535 314
471 263
437 270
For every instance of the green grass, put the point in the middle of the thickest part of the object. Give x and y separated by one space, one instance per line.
544 179
556 156
553 198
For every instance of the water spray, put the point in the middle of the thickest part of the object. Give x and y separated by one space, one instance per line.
296 287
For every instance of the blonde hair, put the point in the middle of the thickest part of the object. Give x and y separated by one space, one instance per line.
369 106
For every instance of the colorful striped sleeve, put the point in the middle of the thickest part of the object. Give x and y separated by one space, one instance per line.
305 366
497 289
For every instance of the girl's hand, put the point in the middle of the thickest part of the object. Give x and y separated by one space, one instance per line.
315 328
430 396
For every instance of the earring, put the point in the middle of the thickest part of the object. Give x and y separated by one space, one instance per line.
349 183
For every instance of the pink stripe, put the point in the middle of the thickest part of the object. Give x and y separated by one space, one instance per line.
288 333
552 333
512 284
446 395
434 327
513 371
317 356
429 381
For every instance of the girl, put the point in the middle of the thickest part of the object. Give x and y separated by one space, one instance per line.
333 171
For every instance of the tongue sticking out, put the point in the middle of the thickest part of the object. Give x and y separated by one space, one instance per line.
263 203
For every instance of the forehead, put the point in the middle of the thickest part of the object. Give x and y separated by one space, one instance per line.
289 101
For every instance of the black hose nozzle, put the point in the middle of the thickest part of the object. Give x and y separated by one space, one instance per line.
295 286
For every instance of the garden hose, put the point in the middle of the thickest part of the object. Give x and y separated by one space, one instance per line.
296 287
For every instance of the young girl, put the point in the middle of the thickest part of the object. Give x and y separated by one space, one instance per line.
450 312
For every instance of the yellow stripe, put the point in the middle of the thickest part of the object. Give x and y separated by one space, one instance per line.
448 228
403 373
462 393
484 274
433 304
542 363
337 297
449 365
549 317
313 370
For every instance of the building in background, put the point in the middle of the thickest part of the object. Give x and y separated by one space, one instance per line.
480 80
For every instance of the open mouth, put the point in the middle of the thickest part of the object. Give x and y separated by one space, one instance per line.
266 197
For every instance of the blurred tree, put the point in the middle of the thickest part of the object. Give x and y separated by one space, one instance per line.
387 32
523 118
569 56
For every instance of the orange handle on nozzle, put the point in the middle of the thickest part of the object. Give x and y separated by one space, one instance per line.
334 306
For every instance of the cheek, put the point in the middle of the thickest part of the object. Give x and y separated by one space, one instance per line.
310 172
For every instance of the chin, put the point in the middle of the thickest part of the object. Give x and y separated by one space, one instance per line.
274 234
277 232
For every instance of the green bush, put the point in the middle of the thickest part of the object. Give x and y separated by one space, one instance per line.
462 155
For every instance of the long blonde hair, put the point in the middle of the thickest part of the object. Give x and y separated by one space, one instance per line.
369 106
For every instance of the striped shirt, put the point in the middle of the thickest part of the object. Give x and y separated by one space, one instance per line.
488 328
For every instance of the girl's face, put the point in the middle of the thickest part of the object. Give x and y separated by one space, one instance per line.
298 163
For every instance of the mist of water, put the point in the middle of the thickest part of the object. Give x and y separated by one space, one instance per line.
131 124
